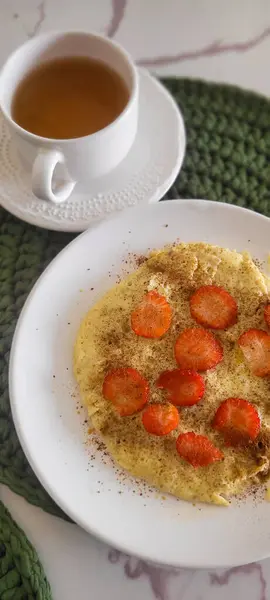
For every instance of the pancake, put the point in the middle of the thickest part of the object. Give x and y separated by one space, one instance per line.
106 341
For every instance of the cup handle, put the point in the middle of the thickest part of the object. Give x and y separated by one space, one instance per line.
42 175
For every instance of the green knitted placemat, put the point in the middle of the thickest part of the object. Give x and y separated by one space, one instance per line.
21 574
227 159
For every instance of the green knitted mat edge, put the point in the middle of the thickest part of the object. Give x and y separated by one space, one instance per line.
227 159
21 573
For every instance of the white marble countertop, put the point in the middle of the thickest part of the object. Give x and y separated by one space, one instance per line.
211 39
216 40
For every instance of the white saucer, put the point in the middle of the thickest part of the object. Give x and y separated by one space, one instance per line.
144 176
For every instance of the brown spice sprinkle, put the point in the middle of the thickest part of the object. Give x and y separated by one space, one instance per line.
140 259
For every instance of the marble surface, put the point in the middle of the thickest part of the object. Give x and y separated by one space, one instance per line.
215 40
221 41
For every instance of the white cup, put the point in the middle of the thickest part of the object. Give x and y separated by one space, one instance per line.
79 159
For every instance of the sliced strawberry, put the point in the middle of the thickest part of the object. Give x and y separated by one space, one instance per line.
267 315
160 419
197 349
185 387
152 317
211 306
196 449
127 390
238 421
255 345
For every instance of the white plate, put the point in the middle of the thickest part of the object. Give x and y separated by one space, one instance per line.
144 176
44 410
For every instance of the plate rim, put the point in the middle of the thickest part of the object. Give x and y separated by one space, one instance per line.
14 404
